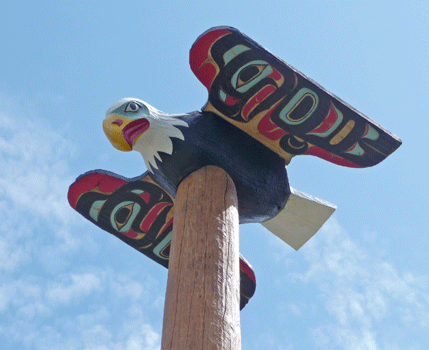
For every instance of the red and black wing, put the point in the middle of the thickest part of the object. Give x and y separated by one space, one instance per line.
139 212
279 106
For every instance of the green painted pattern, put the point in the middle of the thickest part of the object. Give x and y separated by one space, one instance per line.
294 102
357 150
135 210
235 51
372 133
95 209
162 245
222 95
137 191
256 79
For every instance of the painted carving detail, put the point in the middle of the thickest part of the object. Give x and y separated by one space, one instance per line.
280 107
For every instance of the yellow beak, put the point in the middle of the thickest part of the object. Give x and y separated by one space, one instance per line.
123 132
113 125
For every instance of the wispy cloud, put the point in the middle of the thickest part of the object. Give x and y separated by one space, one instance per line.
34 178
366 299
47 301
34 171
76 287
50 300
85 311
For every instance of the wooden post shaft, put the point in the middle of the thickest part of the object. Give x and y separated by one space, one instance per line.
202 301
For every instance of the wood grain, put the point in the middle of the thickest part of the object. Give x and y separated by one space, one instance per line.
202 298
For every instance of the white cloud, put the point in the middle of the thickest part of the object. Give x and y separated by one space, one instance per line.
127 288
80 285
33 171
82 311
35 220
34 179
10 258
50 298
366 299
19 293
143 338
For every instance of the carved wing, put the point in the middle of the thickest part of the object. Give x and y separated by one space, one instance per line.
279 106
140 213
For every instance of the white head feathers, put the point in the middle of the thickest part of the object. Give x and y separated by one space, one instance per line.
158 137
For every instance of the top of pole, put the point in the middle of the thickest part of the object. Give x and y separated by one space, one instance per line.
202 301
260 113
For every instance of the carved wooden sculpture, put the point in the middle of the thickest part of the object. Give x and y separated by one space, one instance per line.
259 115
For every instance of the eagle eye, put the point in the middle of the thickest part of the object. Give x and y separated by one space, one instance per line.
132 107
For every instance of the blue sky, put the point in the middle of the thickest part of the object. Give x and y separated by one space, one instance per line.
361 283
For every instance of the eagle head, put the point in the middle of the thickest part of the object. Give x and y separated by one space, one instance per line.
132 124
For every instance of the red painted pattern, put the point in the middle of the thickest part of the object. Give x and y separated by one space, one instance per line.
145 196
270 130
321 153
105 183
132 234
152 215
366 131
257 99
199 56
276 75
247 270
230 101
330 120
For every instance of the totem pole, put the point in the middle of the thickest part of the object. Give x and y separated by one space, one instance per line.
211 170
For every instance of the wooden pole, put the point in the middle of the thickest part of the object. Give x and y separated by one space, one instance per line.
202 301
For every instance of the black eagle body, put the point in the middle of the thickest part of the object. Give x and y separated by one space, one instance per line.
258 173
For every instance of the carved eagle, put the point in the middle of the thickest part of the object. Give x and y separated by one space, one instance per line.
260 114
132 124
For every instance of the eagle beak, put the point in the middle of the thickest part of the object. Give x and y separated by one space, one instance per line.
123 132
